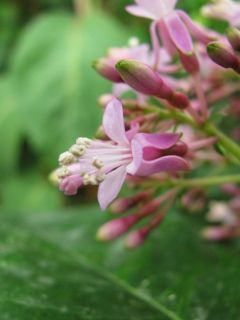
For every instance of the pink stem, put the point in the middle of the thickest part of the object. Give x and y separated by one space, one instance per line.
155 43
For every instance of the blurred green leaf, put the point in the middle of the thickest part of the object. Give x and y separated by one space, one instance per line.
56 89
10 128
45 281
175 270
30 192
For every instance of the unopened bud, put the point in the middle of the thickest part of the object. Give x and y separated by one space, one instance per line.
217 233
136 238
223 56
190 62
179 100
143 79
106 68
233 35
124 204
115 228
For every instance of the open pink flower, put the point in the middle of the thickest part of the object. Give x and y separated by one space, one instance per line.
227 10
173 25
107 163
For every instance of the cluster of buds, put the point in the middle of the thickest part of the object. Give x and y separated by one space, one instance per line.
156 140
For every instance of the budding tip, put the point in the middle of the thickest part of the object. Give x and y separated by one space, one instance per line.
136 239
122 65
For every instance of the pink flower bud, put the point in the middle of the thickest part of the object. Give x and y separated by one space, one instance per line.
233 35
143 78
190 62
106 68
136 238
216 233
124 204
179 100
223 56
115 228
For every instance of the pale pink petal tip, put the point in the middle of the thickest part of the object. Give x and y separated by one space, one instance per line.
110 187
113 122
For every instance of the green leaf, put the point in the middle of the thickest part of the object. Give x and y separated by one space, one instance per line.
175 275
55 86
31 192
10 128
43 280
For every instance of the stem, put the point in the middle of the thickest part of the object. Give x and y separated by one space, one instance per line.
227 143
206 181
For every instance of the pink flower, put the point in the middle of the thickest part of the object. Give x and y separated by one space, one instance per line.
227 10
107 163
173 25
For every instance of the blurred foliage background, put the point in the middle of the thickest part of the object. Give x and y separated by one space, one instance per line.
52 265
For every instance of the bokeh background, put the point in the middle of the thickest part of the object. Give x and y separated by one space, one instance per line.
52 266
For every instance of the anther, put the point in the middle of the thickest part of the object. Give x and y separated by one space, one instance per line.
83 141
97 163
77 150
66 158
63 172
100 177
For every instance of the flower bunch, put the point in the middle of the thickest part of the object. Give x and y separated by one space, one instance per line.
157 139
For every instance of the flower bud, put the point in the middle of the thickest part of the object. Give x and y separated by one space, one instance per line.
223 56
124 204
115 228
190 62
179 100
106 68
143 79
216 233
136 238
233 35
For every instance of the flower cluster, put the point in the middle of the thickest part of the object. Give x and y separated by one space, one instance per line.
158 141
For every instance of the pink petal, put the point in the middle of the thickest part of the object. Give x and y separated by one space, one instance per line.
200 33
179 33
137 152
166 39
140 12
110 187
158 140
142 167
131 133
159 8
113 122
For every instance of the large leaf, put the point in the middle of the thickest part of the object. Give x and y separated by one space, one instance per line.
175 275
55 86
44 280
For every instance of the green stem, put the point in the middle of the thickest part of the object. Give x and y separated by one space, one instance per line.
227 143
206 181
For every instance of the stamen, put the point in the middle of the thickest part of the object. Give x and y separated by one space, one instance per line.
84 141
97 163
78 150
66 158
89 180
62 172
100 177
